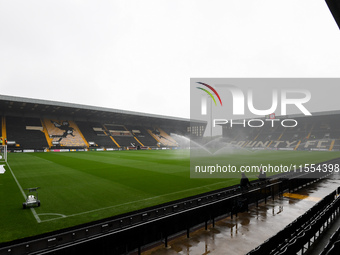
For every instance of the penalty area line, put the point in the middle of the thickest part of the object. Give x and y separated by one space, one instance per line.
23 193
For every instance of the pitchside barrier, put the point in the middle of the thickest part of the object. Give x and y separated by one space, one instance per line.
137 230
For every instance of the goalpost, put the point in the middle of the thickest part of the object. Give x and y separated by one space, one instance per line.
3 153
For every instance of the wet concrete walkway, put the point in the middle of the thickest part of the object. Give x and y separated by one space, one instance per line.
250 229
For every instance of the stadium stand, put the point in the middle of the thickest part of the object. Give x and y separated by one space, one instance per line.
95 134
97 125
126 141
142 135
64 133
162 137
317 133
69 134
121 135
25 133
106 128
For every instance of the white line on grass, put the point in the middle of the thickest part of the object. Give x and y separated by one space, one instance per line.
132 202
52 214
23 193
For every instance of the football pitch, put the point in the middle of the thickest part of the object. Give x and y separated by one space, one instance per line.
80 187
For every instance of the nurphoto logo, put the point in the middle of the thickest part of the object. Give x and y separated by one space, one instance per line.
240 124
244 100
204 99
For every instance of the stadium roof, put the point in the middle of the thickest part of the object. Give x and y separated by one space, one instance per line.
334 7
26 107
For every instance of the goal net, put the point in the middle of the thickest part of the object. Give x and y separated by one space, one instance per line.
3 153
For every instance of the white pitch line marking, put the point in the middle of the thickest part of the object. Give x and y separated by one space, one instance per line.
23 193
58 214
132 202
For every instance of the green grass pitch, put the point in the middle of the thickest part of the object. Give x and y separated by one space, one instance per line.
79 187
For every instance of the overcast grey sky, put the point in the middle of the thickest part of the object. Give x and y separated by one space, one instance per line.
140 55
